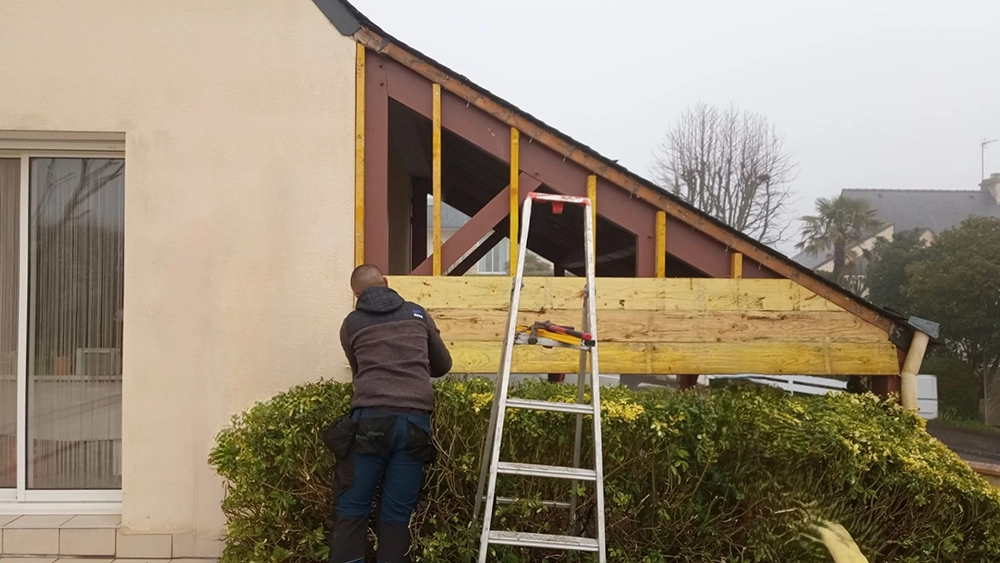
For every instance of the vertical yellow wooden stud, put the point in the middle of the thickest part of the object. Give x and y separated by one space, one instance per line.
661 244
515 199
737 271
592 196
436 177
359 158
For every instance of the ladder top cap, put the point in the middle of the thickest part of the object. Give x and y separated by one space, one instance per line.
556 198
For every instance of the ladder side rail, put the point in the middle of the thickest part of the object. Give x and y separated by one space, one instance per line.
581 384
541 196
503 387
484 463
595 388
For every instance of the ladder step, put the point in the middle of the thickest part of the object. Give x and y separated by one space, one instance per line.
544 541
549 503
574 408
532 470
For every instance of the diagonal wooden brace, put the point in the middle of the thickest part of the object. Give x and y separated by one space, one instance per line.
478 227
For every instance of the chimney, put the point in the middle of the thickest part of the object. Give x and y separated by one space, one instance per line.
991 186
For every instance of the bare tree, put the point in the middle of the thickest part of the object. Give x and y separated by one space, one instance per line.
732 165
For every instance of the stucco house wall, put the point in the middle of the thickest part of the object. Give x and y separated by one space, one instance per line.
238 119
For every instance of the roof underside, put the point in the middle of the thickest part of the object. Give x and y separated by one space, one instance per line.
349 21
471 178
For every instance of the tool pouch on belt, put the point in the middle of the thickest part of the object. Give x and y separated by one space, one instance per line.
374 435
338 436
339 439
419 445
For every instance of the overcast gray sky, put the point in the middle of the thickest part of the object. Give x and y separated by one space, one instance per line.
869 94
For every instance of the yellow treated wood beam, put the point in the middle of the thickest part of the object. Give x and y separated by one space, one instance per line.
515 198
736 271
661 244
436 177
642 294
670 326
685 358
359 157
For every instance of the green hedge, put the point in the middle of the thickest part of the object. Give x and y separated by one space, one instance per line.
734 474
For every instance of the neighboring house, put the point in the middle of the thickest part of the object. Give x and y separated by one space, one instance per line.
495 261
927 211
185 188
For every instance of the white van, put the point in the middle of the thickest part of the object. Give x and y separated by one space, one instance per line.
927 393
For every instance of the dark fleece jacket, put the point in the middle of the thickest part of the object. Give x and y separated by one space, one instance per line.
394 349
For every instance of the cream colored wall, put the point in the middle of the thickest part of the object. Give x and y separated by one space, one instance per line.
239 120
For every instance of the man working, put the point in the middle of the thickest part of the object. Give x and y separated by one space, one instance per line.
394 350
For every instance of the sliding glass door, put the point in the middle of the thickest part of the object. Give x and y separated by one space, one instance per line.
61 222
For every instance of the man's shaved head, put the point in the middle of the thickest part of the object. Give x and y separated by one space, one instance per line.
365 276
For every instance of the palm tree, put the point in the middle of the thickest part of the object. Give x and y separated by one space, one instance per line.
840 223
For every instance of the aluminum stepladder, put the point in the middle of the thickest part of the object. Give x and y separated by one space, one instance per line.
491 464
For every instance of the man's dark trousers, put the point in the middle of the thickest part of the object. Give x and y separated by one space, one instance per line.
390 447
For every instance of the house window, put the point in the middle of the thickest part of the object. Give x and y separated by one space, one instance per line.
496 261
61 297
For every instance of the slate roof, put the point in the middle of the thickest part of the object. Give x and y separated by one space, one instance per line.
936 210
906 210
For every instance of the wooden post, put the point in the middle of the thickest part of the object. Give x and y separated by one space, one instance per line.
690 381
885 385
911 367
359 158
515 201
737 270
661 244
687 381
376 197
420 188
436 176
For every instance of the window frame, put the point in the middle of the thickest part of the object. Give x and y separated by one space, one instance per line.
503 249
26 146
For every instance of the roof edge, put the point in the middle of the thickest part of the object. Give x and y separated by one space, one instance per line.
911 190
343 16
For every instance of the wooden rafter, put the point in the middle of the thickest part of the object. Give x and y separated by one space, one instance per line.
477 253
376 167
